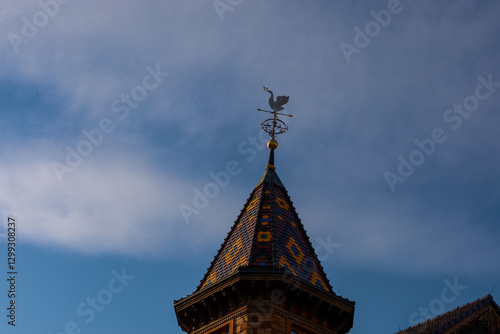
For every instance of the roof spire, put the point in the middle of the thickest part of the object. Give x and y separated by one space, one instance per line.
272 144
274 126
266 250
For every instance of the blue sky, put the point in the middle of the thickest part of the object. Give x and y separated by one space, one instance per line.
114 115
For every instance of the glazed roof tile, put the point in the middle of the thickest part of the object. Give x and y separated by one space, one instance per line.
450 319
268 233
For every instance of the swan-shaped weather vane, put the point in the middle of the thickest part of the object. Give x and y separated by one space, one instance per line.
274 126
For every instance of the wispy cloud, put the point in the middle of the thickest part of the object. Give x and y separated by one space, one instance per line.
116 203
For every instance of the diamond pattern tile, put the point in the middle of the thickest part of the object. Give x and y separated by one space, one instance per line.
268 233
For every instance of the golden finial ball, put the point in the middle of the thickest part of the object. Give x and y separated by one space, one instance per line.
272 144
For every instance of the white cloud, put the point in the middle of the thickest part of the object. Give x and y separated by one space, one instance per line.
110 203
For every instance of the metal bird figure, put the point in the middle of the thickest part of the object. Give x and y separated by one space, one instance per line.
280 100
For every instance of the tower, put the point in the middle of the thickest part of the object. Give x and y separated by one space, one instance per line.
266 277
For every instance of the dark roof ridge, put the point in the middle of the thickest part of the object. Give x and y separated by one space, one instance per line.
270 176
474 306
257 223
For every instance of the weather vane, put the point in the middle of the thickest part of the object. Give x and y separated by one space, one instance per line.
274 126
